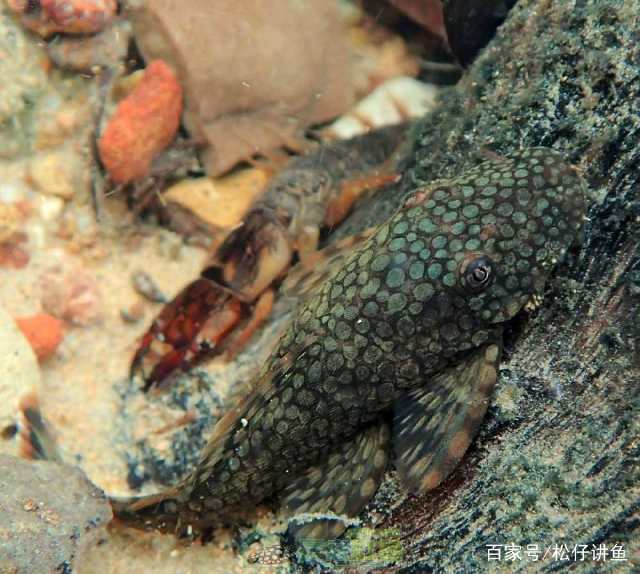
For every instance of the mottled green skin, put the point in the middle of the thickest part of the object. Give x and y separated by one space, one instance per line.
397 312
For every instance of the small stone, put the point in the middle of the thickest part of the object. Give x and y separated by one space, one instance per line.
54 174
50 207
13 191
51 514
21 61
48 17
44 333
133 314
144 284
11 221
70 293
13 252
56 121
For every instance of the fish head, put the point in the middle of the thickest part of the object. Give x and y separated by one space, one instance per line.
521 215
468 253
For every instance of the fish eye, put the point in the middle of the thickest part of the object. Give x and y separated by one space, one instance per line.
478 274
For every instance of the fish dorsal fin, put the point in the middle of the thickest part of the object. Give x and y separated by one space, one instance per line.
341 485
312 272
433 426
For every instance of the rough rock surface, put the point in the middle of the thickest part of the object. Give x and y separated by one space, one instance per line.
254 73
557 461
48 514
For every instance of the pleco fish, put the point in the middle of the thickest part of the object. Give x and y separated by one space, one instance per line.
399 345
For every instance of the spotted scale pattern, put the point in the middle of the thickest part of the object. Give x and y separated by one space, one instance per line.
435 282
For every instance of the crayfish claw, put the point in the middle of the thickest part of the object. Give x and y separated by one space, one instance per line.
189 328
255 254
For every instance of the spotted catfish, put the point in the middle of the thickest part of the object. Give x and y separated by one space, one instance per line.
399 346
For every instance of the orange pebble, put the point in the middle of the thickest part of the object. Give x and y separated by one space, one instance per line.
44 332
144 123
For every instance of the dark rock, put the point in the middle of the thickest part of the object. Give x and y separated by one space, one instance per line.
471 24
48 514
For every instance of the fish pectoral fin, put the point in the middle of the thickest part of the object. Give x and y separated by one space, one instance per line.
433 426
341 485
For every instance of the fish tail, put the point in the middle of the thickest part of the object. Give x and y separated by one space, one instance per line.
161 511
